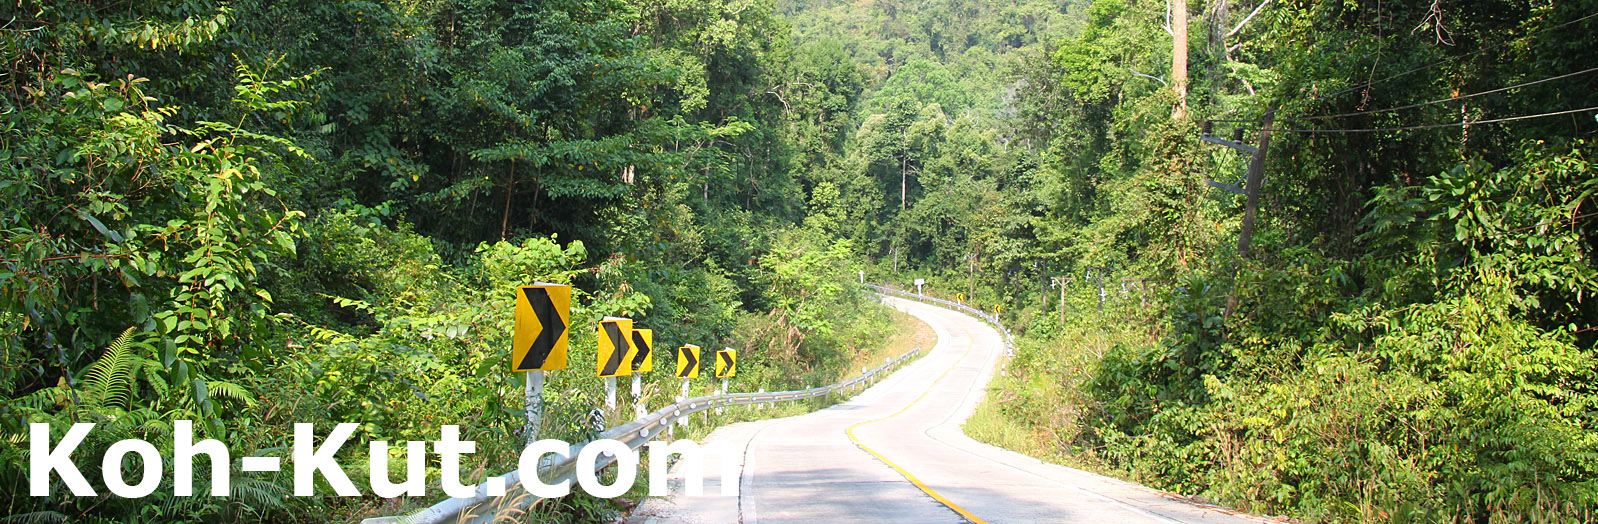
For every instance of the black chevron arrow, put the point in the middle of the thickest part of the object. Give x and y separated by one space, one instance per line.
643 349
693 361
726 358
619 343
549 318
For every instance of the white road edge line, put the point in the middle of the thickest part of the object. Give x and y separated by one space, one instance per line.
987 373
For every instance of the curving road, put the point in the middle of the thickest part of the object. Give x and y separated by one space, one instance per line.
895 453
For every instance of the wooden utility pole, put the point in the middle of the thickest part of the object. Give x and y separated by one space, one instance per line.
1256 177
904 174
1097 273
971 291
1062 282
1178 22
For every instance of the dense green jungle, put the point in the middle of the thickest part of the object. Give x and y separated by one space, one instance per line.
251 213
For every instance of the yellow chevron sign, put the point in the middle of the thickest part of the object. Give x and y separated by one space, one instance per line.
727 363
539 341
688 361
615 347
643 360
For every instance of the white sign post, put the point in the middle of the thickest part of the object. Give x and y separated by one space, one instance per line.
683 421
535 405
610 394
919 283
638 396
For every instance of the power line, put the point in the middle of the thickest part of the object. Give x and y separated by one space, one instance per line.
1412 106
1435 126
1426 67
1450 59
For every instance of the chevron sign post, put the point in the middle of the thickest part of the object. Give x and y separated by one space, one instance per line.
643 361
727 363
615 355
538 343
688 362
726 367
687 368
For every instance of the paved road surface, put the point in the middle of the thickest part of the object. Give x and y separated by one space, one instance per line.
895 453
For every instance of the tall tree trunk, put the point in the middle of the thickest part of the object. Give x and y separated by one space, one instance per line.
1215 40
1179 57
504 221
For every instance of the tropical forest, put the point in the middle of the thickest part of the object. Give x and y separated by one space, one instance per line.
1322 261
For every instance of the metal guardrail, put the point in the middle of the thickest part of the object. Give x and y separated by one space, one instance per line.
1009 340
483 508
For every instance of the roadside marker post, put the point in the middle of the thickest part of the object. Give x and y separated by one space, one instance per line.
687 364
726 367
687 368
614 356
539 343
642 348
643 361
615 347
727 363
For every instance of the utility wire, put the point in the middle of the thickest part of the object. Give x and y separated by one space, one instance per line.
1412 106
1423 68
1434 126
1450 59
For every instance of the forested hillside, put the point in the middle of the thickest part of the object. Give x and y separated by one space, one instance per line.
256 213
252 213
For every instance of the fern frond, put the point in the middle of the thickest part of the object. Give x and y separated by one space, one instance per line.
109 382
258 493
43 400
152 375
37 517
145 421
229 390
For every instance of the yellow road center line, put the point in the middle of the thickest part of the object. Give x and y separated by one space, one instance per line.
912 478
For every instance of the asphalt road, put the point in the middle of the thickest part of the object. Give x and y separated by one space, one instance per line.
895 453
